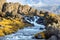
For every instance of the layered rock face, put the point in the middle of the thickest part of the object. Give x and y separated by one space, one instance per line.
14 11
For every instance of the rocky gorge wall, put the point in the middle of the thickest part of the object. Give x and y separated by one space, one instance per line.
15 12
1 3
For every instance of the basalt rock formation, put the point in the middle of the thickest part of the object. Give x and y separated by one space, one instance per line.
12 18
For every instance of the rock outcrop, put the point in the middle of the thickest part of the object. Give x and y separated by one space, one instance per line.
1 3
52 28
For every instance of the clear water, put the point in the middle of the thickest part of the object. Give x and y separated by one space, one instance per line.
28 32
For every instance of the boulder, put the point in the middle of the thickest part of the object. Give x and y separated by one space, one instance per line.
32 11
53 38
10 7
23 9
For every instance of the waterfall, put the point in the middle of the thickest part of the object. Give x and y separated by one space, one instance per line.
33 21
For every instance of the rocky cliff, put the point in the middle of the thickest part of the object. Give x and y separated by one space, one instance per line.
12 18
1 3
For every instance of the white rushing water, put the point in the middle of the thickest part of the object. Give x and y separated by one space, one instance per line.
28 32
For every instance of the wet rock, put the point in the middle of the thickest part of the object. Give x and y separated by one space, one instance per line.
40 35
8 15
46 34
53 38
32 11
40 20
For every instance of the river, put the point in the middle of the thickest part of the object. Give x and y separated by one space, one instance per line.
28 32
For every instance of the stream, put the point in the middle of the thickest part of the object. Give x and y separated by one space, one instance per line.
28 32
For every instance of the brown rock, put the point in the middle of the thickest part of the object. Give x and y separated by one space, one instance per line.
11 7
32 11
53 38
1 3
23 9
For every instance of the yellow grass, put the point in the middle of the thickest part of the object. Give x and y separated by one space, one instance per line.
8 26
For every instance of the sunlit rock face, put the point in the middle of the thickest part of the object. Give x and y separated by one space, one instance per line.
52 28
1 3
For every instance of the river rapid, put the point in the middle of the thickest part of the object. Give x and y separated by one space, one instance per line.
28 32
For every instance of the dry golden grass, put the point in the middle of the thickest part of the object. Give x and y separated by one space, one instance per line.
52 15
8 26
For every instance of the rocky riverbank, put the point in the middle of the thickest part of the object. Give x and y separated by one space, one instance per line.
13 14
